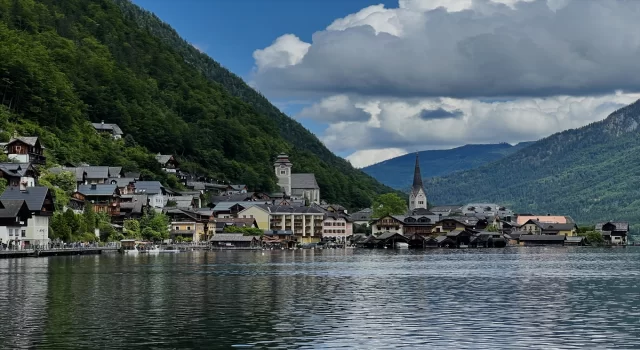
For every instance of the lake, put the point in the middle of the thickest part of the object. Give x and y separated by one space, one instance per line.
508 298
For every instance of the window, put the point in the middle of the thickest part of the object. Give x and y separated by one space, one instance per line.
283 172
10 232
420 202
188 228
244 216
24 233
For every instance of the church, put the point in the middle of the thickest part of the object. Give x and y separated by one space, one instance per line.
418 196
297 186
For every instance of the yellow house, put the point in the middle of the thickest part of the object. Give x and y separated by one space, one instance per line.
188 229
261 215
549 228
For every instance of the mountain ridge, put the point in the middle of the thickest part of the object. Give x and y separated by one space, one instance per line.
397 172
590 173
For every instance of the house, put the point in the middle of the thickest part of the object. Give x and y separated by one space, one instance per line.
168 163
232 209
455 223
157 194
418 196
420 241
125 184
334 208
362 217
278 239
301 186
336 225
487 239
390 223
87 175
14 215
554 219
110 129
549 228
384 240
184 202
259 212
305 222
221 224
19 174
421 224
25 150
132 206
238 197
236 189
235 241
614 232
104 198
487 210
189 225
40 203
460 237
445 242
535 240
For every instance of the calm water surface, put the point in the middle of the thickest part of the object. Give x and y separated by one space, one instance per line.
511 298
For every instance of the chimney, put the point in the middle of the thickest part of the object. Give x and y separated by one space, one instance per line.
102 122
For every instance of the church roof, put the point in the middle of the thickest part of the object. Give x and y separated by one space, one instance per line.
417 178
304 181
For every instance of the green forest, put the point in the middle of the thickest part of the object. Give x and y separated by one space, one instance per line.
591 174
64 64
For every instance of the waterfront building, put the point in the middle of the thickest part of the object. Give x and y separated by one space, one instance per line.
614 232
418 196
362 217
545 228
390 223
305 222
14 215
189 225
157 195
552 219
234 241
40 203
300 186
487 210
260 213
104 198
336 225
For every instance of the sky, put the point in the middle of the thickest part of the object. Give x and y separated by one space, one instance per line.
375 80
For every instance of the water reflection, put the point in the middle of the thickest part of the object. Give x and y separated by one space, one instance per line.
508 298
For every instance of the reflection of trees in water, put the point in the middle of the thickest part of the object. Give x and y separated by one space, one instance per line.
23 289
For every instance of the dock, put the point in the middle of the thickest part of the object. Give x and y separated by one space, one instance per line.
31 253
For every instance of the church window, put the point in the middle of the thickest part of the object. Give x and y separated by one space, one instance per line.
283 172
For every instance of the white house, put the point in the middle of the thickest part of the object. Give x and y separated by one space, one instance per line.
39 202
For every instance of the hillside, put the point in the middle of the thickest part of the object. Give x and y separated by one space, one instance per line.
67 63
398 172
591 173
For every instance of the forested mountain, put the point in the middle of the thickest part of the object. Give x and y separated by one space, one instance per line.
398 172
591 173
66 63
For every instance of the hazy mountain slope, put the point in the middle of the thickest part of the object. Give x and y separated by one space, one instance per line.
398 172
591 173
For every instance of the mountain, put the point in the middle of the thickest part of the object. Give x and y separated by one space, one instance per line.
398 172
67 63
591 173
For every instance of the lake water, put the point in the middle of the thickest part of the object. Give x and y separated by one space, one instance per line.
542 298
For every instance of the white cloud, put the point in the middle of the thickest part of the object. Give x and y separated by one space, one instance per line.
400 124
285 51
506 48
361 159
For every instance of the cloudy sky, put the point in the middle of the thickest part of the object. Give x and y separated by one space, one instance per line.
376 80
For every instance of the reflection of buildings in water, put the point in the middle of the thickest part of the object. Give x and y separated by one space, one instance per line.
23 294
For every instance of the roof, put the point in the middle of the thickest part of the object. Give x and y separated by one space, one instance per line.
149 187
541 218
387 235
114 128
278 232
11 207
542 237
545 226
16 169
232 237
29 140
417 178
122 181
238 197
114 171
362 215
183 202
421 212
34 196
224 206
306 181
454 233
97 190
337 216
620 225
163 158
238 187
446 208
275 209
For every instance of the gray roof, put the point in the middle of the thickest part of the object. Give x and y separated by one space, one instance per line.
15 169
97 172
149 187
183 202
163 158
11 207
97 190
304 181
446 208
232 237
34 196
362 215
237 187
287 209
114 171
542 238
224 206
387 235
441 239
113 128
239 197
136 204
620 225
122 181
556 227
29 140
574 239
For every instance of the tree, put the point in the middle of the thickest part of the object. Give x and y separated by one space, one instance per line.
73 222
3 185
594 237
89 218
59 228
366 229
150 235
107 232
388 204
492 228
132 228
246 231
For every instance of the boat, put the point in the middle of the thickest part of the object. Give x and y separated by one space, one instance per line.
129 246
169 251
402 245
153 250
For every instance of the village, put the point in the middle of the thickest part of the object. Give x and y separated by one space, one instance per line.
230 216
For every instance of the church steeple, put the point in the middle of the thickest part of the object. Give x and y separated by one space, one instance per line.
418 196
417 176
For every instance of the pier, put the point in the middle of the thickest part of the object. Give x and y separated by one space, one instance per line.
34 253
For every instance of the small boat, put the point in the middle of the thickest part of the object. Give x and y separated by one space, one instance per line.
153 250
402 245
131 251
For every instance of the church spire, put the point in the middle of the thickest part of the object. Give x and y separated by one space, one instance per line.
417 176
